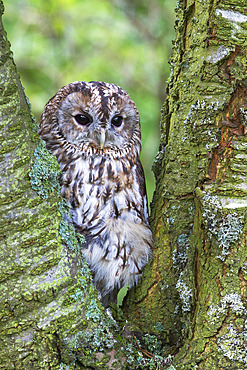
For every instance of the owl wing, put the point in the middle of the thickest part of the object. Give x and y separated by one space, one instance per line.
142 185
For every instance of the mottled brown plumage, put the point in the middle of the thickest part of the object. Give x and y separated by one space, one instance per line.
93 129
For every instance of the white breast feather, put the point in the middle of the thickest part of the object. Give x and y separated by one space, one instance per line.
122 248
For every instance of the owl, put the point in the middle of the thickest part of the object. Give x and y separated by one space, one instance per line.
93 129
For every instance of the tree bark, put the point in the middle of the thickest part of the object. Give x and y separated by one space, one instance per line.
50 314
193 294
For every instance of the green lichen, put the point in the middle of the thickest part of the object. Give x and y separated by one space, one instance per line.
92 340
44 179
195 122
179 256
185 293
233 344
224 228
232 24
63 366
146 353
73 240
44 175
99 328
232 301
180 259
98 333
152 343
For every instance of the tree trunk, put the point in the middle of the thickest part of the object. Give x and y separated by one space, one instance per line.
50 314
193 294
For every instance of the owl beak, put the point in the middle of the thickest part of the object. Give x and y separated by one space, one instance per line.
102 138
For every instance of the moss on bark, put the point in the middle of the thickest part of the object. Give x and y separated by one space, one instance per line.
193 293
195 285
51 317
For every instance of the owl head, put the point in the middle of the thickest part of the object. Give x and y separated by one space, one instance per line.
94 115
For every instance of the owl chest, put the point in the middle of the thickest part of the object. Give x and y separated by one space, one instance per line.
100 191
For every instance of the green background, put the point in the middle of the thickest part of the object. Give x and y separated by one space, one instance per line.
126 42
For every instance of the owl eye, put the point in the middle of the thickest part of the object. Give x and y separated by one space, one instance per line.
83 119
117 121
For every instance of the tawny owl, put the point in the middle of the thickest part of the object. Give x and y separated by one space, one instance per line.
93 129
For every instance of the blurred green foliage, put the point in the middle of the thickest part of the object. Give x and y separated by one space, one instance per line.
126 42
